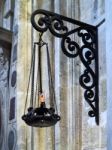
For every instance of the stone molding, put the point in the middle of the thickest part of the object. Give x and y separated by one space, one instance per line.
5 38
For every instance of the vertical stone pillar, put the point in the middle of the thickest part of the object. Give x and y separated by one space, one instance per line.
23 13
57 49
109 72
44 136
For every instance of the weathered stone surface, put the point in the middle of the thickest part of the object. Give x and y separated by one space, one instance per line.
109 72
4 95
5 38
75 131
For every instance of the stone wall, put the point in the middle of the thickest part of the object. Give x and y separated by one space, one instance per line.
4 95
75 131
93 13
75 125
109 76
8 131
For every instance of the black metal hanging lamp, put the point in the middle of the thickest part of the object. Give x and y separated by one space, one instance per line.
38 114
86 50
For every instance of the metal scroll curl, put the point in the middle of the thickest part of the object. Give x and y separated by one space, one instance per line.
86 50
51 22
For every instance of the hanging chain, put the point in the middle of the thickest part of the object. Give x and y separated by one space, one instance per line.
33 78
29 80
40 69
51 84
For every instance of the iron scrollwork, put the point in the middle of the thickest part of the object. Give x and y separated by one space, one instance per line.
86 49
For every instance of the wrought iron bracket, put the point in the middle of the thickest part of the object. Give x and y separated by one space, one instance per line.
83 44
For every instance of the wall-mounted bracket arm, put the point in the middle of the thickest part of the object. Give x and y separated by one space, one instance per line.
86 49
